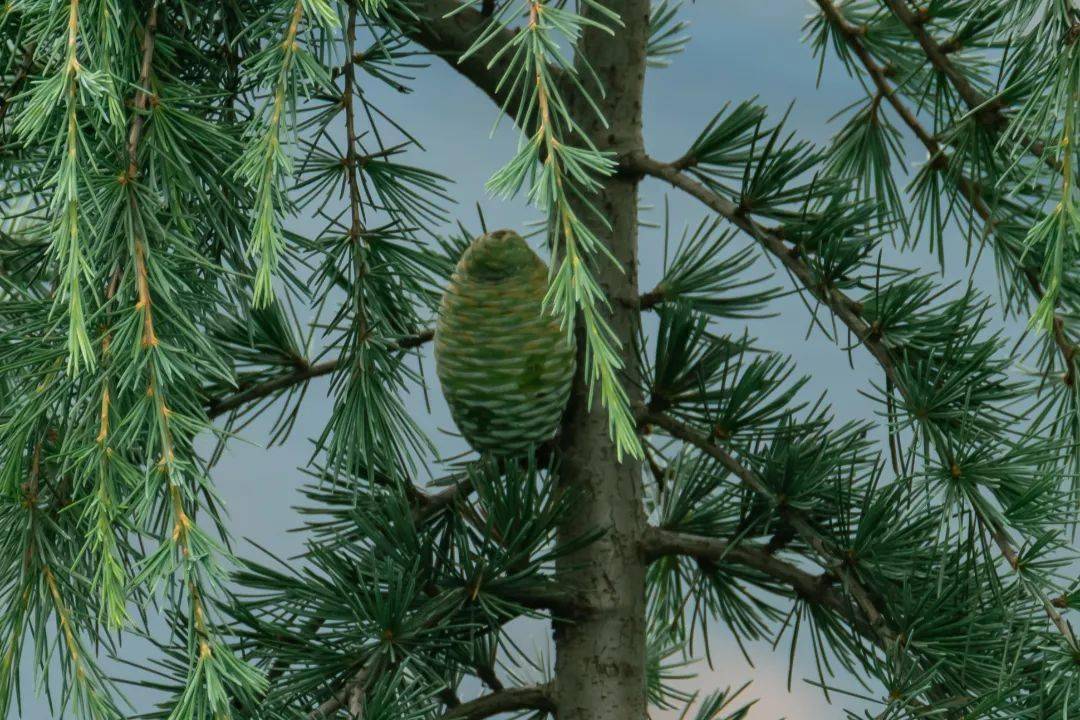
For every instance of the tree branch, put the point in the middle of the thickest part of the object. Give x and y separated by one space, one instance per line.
142 97
968 189
818 589
538 598
447 30
549 598
356 225
138 121
988 110
939 159
342 696
849 312
220 406
837 563
305 372
537 697
863 615
351 692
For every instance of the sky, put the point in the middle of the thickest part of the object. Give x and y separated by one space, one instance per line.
740 50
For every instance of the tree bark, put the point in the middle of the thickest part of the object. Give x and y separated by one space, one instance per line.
600 656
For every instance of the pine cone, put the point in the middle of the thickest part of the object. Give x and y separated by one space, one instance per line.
505 365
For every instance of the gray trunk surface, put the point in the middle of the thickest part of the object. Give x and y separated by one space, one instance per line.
600 657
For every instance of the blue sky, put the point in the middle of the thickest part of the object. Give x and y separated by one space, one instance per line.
739 50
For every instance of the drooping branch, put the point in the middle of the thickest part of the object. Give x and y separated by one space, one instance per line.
849 312
537 697
1068 351
969 190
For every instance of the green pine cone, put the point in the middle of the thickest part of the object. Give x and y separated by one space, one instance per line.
505 365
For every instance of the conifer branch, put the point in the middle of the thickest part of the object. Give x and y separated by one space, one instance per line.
356 685
85 672
849 312
448 29
942 162
351 693
425 506
142 95
818 589
846 309
356 225
970 191
66 242
834 559
266 164
866 615
988 110
537 697
203 637
305 371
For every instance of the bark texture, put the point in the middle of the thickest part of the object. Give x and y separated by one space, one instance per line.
600 656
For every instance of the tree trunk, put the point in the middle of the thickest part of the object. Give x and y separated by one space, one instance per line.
600 657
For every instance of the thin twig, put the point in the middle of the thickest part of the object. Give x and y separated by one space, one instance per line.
356 224
555 601
340 698
142 97
537 697
305 372
219 406
818 589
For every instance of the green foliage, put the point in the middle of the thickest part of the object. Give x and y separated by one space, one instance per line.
154 156
417 592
